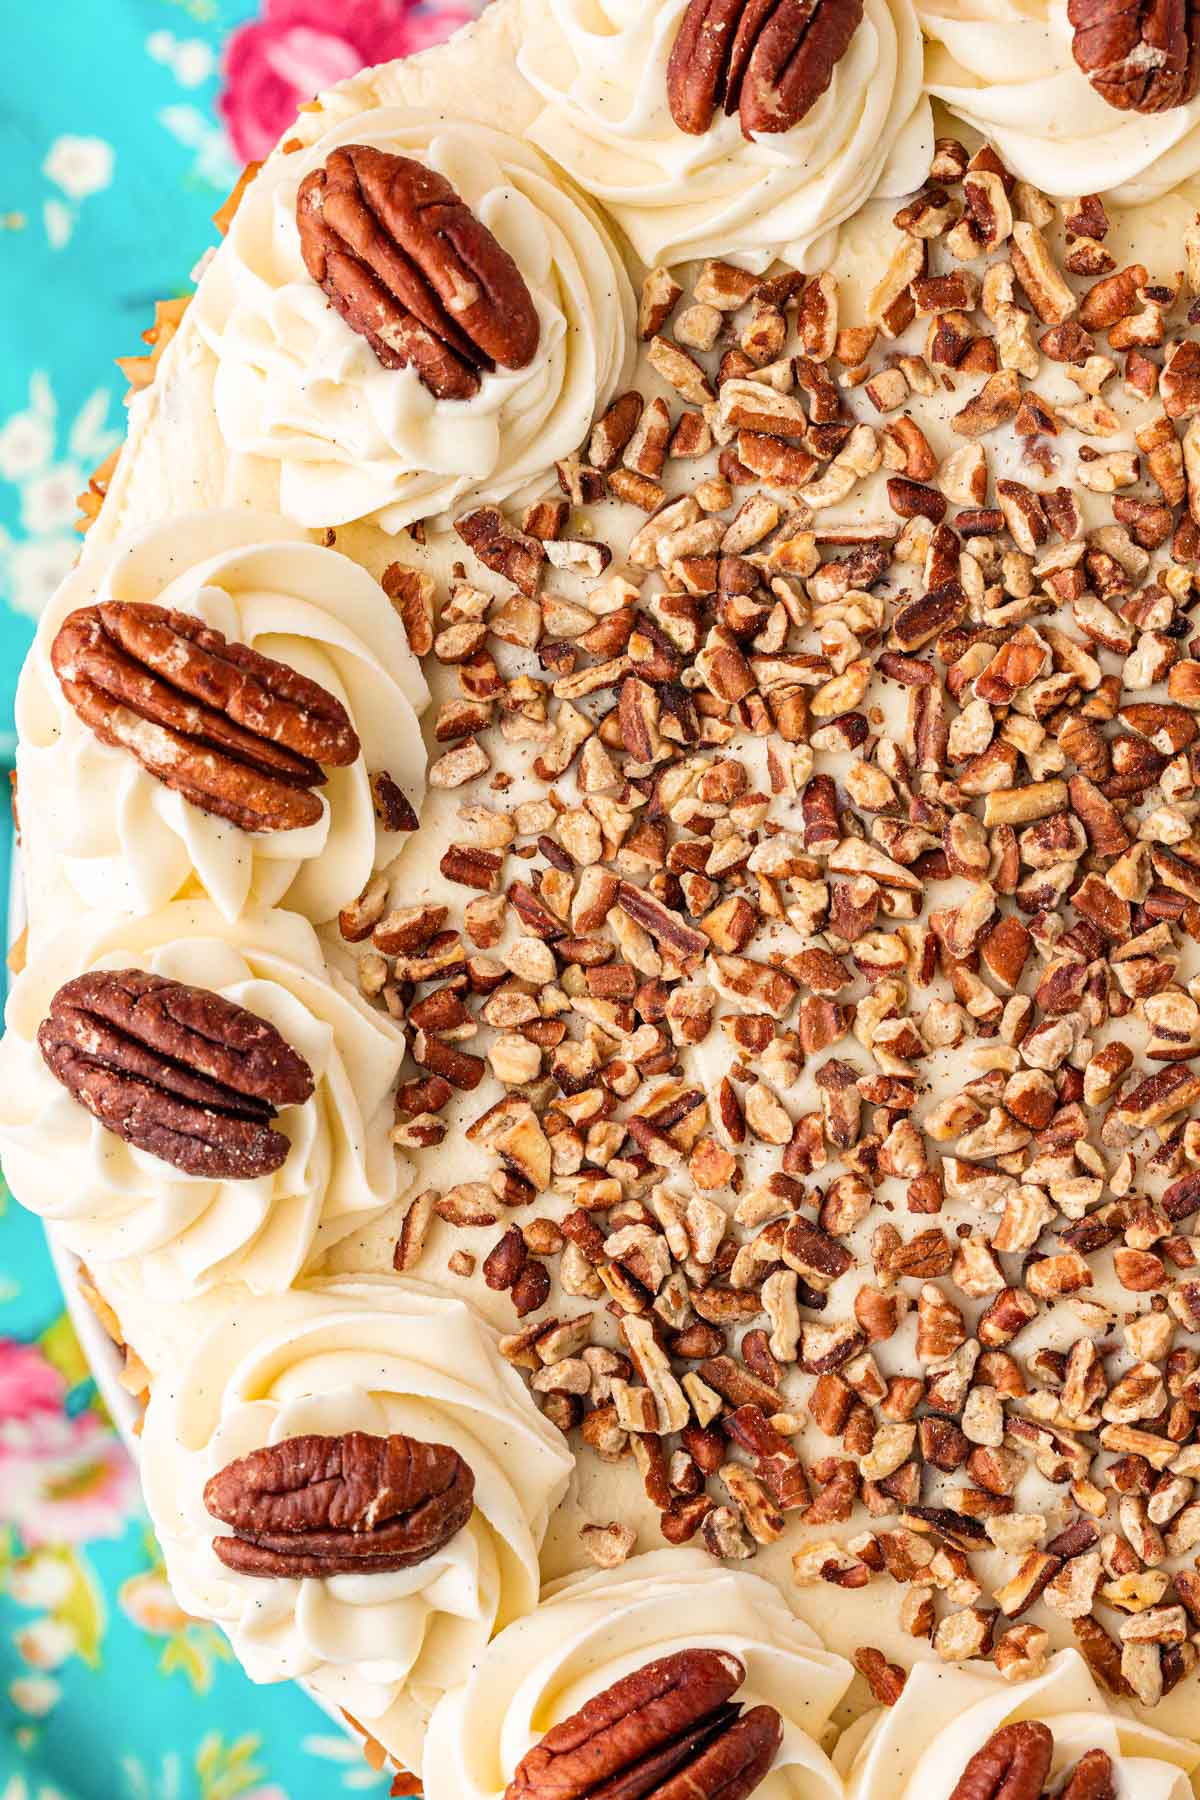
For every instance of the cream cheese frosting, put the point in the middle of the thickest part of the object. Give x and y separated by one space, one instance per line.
596 1628
375 1355
353 440
1006 68
110 1201
918 1748
127 843
600 66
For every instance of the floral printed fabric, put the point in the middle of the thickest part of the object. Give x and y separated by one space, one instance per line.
123 125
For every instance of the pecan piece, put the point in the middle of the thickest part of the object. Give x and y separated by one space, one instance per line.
1012 1765
668 1730
1092 1778
767 60
1139 55
177 1071
355 1504
410 268
236 733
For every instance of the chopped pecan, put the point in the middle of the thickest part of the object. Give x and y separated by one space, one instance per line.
672 1724
767 60
356 1504
178 1071
236 733
410 268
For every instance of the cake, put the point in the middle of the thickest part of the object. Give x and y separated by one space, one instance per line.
609 827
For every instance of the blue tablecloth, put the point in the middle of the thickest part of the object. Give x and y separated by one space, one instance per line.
123 124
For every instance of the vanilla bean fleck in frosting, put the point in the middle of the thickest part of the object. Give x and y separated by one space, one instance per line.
111 836
381 1356
296 385
600 67
110 1201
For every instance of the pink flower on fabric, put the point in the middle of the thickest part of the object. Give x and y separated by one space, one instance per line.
64 1480
28 1383
299 47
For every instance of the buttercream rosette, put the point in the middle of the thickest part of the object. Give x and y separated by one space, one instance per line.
112 836
379 1355
296 385
1006 67
110 1201
600 69
594 1629
918 1748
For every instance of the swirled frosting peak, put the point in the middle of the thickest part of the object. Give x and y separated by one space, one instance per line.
112 836
295 384
382 1356
111 1201
918 1748
593 1629
600 66
1006 67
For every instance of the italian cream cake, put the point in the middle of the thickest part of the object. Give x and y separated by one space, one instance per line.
609 821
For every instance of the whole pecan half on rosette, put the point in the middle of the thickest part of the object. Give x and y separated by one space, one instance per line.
409 267
235 732
767 60
1013 1765
177 1071
1092 1778
349 1505
668 1731
1139 55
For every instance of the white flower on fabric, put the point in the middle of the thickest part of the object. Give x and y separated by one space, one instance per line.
50 501
43 1581
26 445
36 1695
79 165
35 570
190 60
46 1643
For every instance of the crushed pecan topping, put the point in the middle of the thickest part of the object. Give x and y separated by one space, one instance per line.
409 267
1139 55
235 732
767 60
897 819
670 1729
356 1504
177 1071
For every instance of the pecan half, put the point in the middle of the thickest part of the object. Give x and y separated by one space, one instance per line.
1139 55
665 1732
349 1505
1012 1765
236 733
767 60
409 267
1092 1778
177 1071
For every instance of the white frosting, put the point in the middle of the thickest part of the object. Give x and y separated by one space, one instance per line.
1005 66
918 1749
378 1355
595 1628
127 843
110 1200
354 440
601 68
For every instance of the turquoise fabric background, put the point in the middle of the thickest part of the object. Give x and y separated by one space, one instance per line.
123 125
